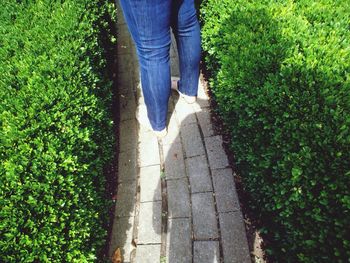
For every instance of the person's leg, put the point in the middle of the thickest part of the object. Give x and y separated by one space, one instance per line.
149 24
186 29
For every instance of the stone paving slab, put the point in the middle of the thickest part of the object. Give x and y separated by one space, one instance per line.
174 161
191 140
127 135
179 241
125 58
150 183
198 173
127 107
205 122
206 252
148 149
124 48
234 239
127 166
125 103
126 201
123 240
178 198
120 16
149 231
216 153
125 81
148 254
225 190
204 217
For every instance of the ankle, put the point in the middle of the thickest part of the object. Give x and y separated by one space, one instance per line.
175 86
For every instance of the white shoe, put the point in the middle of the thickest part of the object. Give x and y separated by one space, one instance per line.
161 134
142 118
188 99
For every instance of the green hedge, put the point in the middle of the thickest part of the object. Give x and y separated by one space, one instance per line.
280 73
56 134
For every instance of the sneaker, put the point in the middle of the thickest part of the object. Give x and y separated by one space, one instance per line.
188 99
142 118
161 134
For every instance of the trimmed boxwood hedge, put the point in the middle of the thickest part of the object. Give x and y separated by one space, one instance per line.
280 73
56 130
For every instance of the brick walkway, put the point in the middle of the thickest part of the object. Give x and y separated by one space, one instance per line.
176 199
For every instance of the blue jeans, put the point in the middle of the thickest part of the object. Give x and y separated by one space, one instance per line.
149 22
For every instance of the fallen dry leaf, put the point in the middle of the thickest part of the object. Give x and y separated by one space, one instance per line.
117 256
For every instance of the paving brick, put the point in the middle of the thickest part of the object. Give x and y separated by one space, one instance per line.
150 183
206 252
178 198
184 113
174 161
234 239
198 173
179 243
127 166
123 227
205 122
204 218
216 153
126 198
225 190
148 149
150 223
148 254
192 141
127 135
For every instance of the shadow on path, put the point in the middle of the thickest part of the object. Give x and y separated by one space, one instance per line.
174 195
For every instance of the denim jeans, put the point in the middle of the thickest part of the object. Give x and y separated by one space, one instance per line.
149 22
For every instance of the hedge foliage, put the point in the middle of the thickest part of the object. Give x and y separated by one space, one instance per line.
56 130
280 73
